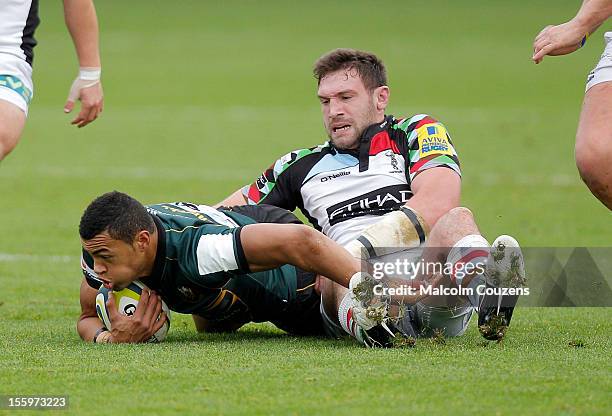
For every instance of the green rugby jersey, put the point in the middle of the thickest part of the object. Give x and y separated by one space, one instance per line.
200 268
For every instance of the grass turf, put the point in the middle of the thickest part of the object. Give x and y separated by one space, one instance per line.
200 98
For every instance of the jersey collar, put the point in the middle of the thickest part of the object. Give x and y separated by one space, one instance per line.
366 138
154 280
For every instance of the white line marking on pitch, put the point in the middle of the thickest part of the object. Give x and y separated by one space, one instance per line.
36 258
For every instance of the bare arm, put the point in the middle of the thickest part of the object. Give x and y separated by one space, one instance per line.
570 36
593 13
82 23
436 191
267 246
88 322
237 198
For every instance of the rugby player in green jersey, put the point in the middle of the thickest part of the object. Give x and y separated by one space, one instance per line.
225 267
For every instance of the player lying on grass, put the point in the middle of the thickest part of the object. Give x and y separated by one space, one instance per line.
380 183
226 267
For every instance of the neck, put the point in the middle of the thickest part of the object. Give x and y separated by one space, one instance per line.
381 118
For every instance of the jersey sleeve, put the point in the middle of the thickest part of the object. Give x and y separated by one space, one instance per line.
211 251
429 145
275 186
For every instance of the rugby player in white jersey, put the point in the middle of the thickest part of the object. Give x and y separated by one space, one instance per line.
594 136
382 182
18 22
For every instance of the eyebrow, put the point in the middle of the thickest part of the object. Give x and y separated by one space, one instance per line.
98 251
338 93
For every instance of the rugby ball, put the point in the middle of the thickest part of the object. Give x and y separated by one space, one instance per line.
126 301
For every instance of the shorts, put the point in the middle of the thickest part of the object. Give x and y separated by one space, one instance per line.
16 81
265 213
603 70
451 320
302 316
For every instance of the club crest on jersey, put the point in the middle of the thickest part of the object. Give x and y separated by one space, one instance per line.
394 162
433 140
187 293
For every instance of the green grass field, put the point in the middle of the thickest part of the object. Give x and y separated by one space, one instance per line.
200 98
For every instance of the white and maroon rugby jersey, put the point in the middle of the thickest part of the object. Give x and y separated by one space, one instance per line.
341 192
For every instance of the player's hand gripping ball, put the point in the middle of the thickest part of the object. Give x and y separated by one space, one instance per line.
126 301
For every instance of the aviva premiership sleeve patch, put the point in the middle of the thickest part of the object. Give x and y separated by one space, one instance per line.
433 140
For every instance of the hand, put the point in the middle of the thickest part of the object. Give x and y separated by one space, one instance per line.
558 40
140 327
89 92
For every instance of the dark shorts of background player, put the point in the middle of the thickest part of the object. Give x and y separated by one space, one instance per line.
303 316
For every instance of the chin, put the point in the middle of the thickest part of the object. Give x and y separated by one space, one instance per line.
345 143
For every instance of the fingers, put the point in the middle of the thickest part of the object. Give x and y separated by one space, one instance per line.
143 303
111 308
87 114
540 54
92 103
159 323
153 309
68 106
541 34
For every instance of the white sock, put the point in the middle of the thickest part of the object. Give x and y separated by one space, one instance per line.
472 249
345 315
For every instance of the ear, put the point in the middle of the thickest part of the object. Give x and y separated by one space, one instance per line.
381 97
142 240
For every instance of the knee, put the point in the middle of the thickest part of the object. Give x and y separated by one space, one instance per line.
455 224
593 163
459 215
461 212
7 143
591 160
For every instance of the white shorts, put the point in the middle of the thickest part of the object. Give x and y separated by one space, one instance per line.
603 69
16 81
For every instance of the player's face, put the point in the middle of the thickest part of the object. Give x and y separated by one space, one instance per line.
116 262
349 107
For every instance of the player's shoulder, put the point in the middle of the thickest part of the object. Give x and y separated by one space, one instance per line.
298 157
419 125
412 123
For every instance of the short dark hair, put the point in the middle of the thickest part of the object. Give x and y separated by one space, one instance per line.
118 214
369 67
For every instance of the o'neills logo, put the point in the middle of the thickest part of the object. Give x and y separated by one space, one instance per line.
334 176
377 202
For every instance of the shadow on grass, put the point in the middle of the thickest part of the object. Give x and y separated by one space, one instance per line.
256 336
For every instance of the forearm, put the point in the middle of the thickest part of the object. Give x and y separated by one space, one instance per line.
82 23
592 14
237 198
267 246
314 252
87 327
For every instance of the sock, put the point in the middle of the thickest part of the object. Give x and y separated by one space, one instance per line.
468 254
345 315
